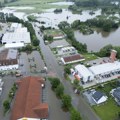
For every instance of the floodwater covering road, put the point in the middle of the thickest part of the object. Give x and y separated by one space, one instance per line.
56 70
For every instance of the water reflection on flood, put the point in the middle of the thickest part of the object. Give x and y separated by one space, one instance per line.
99 39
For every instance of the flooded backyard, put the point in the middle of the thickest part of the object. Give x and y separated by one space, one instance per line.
54 19
99 39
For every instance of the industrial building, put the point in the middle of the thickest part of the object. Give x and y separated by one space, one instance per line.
16 34
107 69
28 104
72 59
84 74
8 59
69 50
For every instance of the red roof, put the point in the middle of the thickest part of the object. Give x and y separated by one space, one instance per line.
73 58
28 99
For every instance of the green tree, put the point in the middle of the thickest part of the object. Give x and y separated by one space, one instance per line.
55 82
75 115
105 51
117 48
28 47
36 42
66 102
6 105
59 90
67 69
76 82
107 26
75 24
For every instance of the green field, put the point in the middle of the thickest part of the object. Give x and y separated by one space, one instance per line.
89 56
54 33
108 111
39 5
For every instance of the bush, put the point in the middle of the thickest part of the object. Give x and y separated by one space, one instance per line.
66 102
75 115
54 82
59 90
6 105
67 69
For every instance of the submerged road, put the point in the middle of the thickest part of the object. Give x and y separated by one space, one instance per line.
53 68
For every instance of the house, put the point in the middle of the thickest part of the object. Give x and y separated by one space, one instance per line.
99 97
72 59
84 73
28 103
8 59
69 50
116 95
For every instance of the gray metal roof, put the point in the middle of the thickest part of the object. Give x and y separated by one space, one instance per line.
97 95
116 93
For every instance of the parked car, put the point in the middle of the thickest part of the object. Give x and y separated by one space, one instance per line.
76 91
18 75
0 91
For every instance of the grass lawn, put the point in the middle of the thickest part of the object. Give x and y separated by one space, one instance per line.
108 111
53 32
39 5
89 56
108 87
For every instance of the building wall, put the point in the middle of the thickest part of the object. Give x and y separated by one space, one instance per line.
8 62
71 61
69 51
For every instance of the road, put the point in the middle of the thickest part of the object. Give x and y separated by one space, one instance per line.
54 69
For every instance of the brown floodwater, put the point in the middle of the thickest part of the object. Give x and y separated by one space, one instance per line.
99 39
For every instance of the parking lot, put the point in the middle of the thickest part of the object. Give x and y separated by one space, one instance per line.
31 63
8 83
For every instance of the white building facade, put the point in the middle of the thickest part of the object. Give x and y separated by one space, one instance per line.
84 73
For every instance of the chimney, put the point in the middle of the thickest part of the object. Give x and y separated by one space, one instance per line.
113 55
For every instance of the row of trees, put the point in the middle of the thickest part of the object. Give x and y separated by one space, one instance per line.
11 18
7 102
48 38
66 28
106 5
103 23
57 86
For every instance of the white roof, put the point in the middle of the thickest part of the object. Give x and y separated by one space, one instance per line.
68 48
24 29
84 72
12 54
105 68
30 119
9 67
16 37
16 25
14 45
